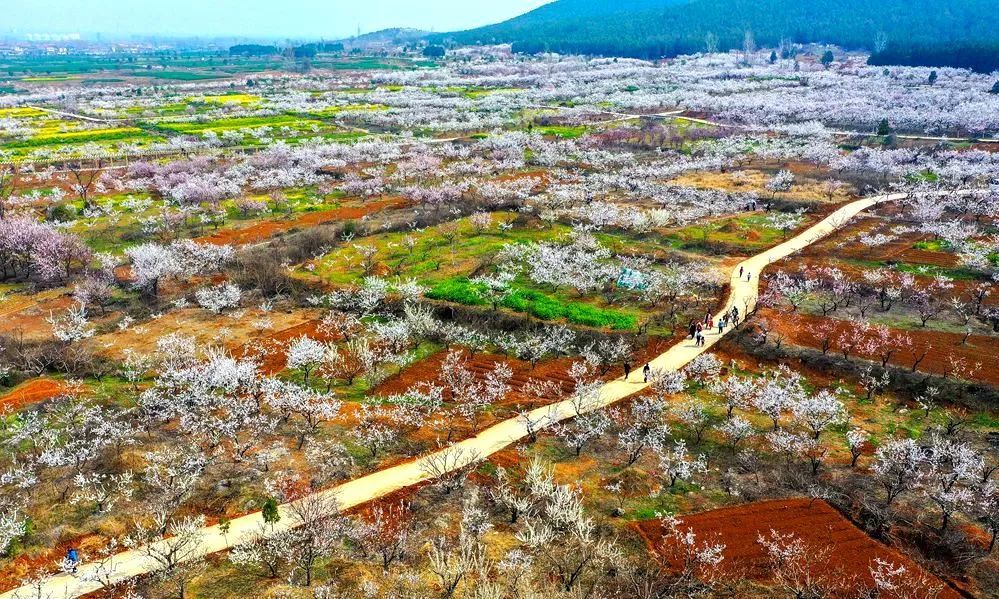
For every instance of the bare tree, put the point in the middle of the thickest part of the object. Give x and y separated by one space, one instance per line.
384 532
173 545
318 534
454 559
449 467
85 179
791 562
748 46
711 43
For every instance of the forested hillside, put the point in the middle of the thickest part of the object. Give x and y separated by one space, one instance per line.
982 57
656 28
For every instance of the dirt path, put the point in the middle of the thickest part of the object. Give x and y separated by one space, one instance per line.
743 294
71 115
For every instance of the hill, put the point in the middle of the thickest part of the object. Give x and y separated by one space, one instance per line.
395 35
663 28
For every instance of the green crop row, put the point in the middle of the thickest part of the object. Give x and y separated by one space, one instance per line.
543 306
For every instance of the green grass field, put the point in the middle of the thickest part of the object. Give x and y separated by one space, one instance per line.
297 123
180 75
539 304
563 131
122 134
443 258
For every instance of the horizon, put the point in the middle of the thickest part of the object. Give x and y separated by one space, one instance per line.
250 19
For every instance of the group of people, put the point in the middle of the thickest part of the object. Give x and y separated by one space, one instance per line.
646 371
698 329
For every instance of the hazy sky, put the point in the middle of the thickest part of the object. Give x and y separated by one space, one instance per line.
252 18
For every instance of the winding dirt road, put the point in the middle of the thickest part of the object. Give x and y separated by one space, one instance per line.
743 294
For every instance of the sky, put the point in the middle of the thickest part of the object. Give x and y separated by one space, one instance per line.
278 19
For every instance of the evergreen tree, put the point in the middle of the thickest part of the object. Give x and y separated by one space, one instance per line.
827 59
980 57
270 511
773 57
884 128
932 78
995 88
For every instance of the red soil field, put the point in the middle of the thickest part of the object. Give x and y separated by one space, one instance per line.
276 345
855 273
819 525
556 371
428 370
550 371
31 392
26 314
800 329
729 350
543 175
844 245
268 228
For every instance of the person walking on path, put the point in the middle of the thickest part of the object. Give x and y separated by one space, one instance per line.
721 325
749 276
647 371
627 370
693 329
741 269
73 559
711 323
707 317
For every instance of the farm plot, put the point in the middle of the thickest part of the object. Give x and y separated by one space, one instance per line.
35 134
847 553
255 130
444 257
31 392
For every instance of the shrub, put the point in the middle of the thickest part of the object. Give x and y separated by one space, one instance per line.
459 291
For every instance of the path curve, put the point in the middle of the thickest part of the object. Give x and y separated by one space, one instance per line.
743 294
